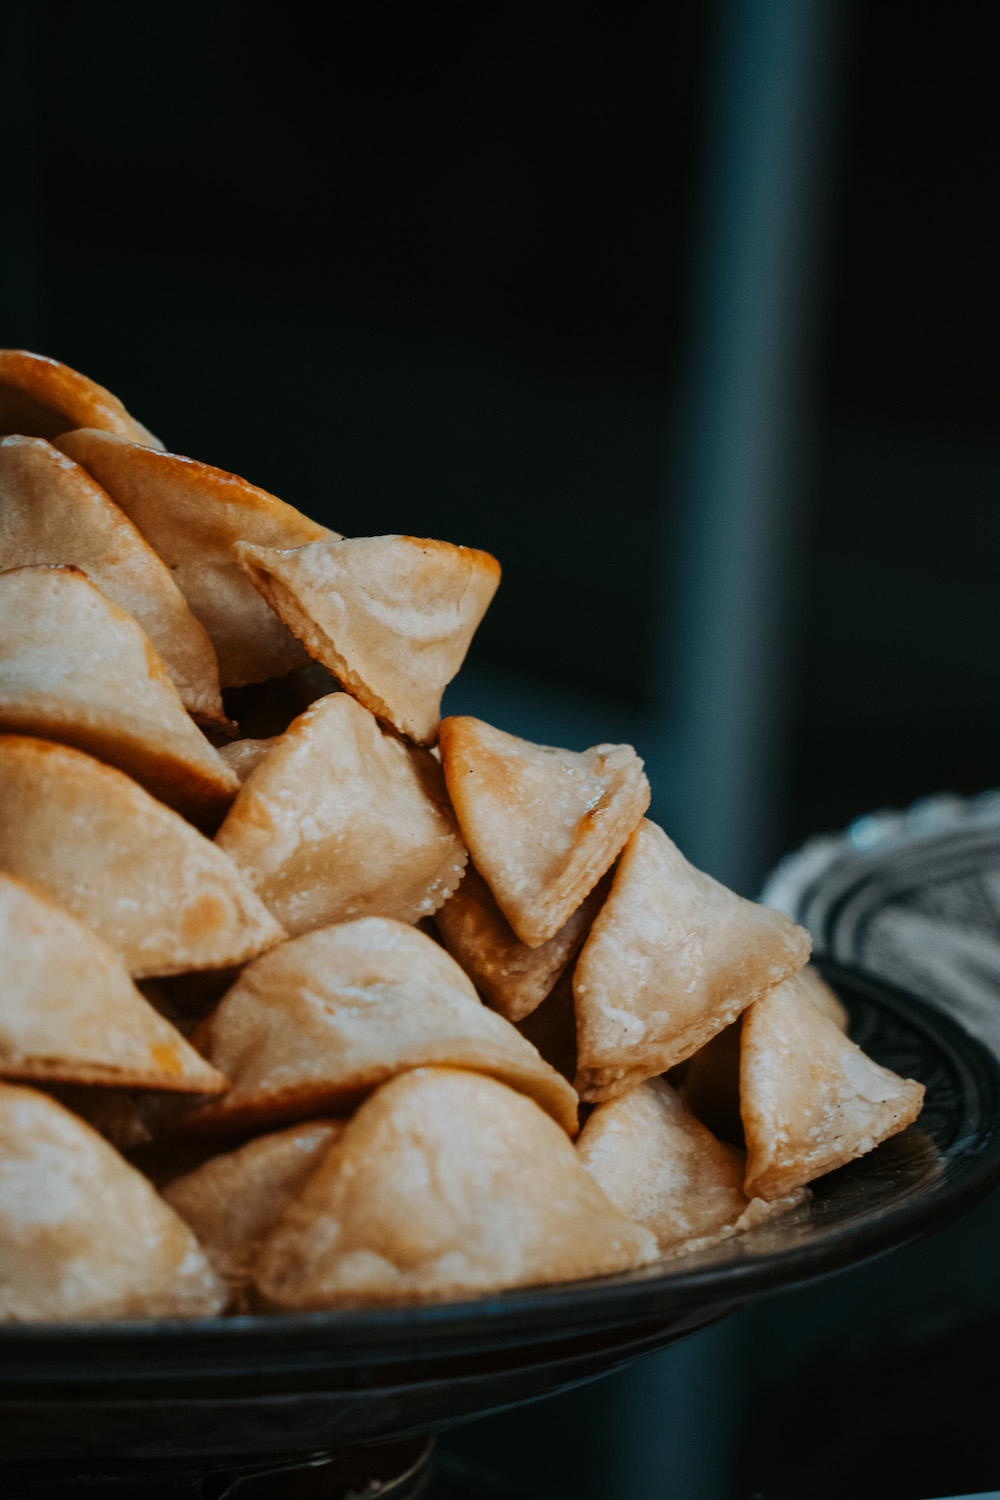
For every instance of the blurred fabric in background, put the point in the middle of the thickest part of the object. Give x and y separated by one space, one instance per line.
688 314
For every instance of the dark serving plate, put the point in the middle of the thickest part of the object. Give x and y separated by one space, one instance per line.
321 1381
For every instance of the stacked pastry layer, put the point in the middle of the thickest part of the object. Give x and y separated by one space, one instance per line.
304 988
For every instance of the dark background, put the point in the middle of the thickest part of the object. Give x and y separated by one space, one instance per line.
434 274
439 273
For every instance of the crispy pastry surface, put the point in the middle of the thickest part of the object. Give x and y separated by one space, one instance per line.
320 1022
510 976
342 820
51 511
233 1201
76 668
42 398
390 616
70 1012
192 515
672 958
812 983
712 1076
542 825
811 1100
154 888
84 1235
444 1183
660 1166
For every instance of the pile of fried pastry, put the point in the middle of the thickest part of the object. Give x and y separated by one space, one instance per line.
305 990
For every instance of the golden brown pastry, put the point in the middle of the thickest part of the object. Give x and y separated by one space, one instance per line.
542 825
341 820
661 1167
509 975
712 1076
191 515
233 1201
390 616
135 584
327 1017
811 1100
82 1234
672 958
51 511
42 398
76 668
149 884
444 1184
68 1010
812 983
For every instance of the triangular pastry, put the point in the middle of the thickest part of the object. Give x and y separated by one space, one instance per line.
233 1201
341 820
159 892
542 825
811 1100
83 1235
712 1074
51 511
812 983
76 668
390 616
329 1016
42 398
69 1011
509 975
444 1184
661 1167
672 958
191 515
